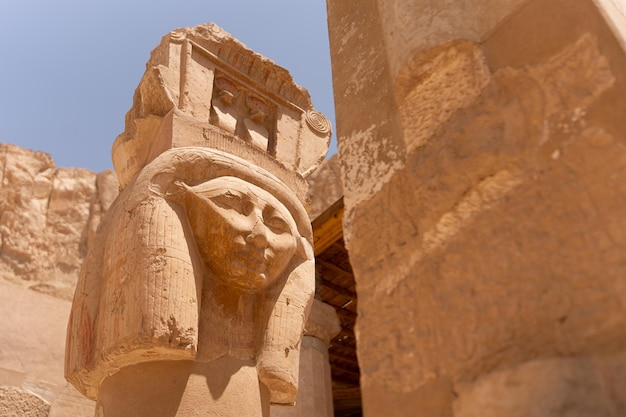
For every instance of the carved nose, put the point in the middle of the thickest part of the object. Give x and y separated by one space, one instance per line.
258 235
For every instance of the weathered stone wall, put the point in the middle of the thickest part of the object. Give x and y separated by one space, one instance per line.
483 162
324 186
46 217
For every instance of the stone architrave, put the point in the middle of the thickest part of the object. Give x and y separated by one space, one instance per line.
194 295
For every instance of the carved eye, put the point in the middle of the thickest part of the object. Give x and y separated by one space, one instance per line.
231 201
276 223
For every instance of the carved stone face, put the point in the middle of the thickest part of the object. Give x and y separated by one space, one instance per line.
245 236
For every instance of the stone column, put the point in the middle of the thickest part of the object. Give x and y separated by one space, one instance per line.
225 387
315 397
482 152
193 297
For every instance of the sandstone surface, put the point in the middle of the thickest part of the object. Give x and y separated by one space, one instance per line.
15 402
483 163
32 345
324 186
46 217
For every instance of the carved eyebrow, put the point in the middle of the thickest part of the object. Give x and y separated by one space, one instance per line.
230 200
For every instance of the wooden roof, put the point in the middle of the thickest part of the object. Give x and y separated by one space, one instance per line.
336 286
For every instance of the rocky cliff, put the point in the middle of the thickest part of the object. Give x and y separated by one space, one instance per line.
46 217
324 186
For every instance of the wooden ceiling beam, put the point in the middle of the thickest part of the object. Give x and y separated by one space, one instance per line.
343 356
328 227
341 363
346 393
345 372
344 340
344 351
355 382
338 289
334 268
344 313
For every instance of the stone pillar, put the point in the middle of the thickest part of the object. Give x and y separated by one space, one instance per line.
315 397
225 387
193 297
482 152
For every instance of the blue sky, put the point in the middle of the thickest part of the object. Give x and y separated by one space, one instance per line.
68 68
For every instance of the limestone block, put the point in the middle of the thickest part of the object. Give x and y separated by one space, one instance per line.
15 402
413 26
614 12
526 148
370 142
435 85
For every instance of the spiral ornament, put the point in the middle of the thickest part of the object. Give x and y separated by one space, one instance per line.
318 122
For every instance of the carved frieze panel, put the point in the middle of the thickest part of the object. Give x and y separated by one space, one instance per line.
242 112
229 94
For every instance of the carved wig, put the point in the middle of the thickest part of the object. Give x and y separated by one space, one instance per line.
139 295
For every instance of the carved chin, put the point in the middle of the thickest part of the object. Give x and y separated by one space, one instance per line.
247 280
246 273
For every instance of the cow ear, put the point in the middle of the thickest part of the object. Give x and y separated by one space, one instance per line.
304 250
170 188
176 191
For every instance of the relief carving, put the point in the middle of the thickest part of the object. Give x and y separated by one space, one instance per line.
240 112
223 114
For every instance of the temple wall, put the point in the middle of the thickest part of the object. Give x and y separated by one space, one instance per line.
483 164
